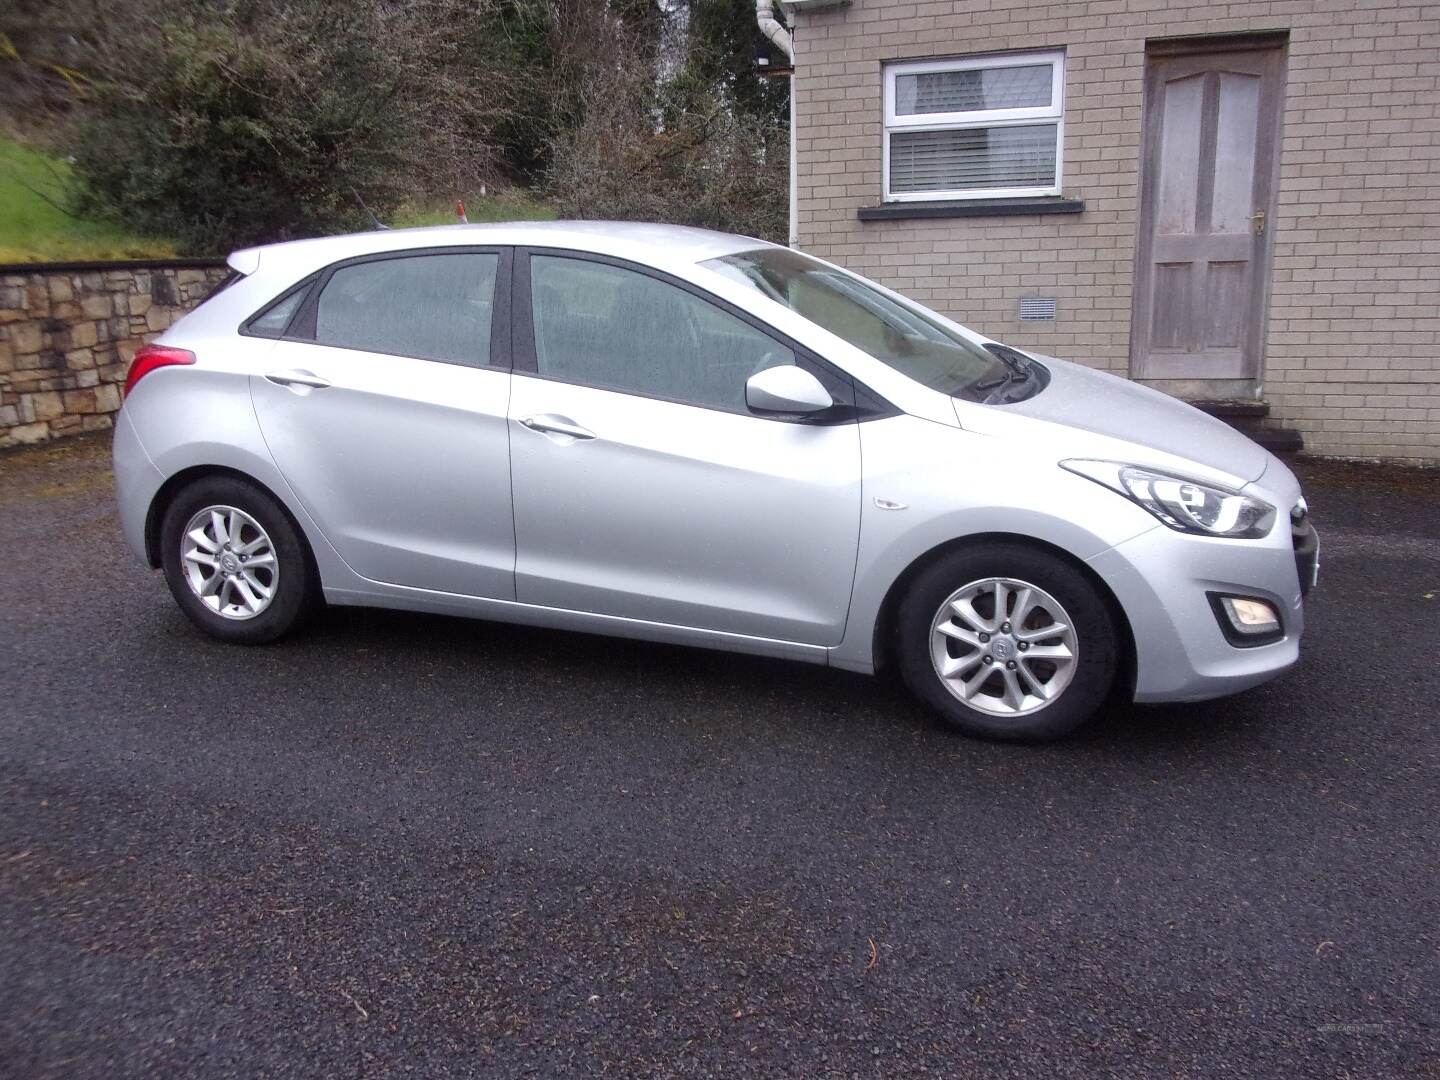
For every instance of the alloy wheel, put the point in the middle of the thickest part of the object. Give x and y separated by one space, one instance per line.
229 562
1003 646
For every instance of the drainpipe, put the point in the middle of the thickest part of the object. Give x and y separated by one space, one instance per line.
771 28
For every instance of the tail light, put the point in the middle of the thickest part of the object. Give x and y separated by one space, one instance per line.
154 356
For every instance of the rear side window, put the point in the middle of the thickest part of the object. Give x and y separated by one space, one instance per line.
432 307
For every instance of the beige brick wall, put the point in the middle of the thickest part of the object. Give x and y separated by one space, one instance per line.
67 337
1352 353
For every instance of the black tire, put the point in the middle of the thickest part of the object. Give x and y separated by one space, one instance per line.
297 591
1096 638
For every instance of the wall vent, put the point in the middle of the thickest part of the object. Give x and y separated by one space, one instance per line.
1036 308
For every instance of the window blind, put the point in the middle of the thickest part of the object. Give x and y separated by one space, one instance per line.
958 159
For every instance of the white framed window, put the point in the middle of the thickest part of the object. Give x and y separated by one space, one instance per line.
981 127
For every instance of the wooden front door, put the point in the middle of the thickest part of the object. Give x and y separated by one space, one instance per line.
1210 146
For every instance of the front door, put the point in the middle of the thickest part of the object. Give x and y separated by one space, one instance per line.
644 487
1210 148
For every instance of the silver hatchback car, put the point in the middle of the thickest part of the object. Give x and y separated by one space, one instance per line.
691 437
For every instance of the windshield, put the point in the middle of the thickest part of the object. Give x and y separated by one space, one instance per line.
905 337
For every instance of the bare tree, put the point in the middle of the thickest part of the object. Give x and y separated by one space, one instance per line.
652 144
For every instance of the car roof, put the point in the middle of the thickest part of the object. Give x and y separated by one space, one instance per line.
643 241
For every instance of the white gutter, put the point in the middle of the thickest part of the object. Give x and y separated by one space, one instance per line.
771 28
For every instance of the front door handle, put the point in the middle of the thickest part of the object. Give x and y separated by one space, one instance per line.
298 377
550 424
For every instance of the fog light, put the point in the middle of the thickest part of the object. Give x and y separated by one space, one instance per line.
1245 620
1250 616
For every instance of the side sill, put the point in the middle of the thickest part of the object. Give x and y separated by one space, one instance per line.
403 598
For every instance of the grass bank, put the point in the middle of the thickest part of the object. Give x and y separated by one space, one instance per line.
34 227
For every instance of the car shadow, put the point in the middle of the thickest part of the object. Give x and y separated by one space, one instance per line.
788 692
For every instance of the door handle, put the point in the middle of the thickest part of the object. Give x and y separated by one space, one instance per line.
1257 219
550 424
298 377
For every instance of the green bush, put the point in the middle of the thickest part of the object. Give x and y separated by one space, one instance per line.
224 126
224 123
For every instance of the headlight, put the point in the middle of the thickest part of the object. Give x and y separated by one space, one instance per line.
1180 502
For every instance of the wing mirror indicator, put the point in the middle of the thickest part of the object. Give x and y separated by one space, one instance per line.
786 389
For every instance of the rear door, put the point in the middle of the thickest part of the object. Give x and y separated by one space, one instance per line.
644 488
384 407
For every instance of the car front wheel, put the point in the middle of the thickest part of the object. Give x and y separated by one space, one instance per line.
1007 642
234 562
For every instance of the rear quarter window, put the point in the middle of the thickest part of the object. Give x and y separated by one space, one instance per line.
273 320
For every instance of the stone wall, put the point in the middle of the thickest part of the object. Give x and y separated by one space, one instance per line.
69 331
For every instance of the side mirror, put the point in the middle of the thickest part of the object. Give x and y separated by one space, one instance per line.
787 389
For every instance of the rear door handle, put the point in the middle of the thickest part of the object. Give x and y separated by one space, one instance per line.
550 424
298 377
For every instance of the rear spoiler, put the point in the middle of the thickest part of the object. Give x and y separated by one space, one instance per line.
245 261
242 264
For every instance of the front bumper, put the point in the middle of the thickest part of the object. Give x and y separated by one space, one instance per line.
1164 579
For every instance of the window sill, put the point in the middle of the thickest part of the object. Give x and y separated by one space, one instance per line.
963 208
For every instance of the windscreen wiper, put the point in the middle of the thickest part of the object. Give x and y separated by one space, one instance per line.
1022 370
992 384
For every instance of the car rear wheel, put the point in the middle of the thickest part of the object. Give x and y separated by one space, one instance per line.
1007 642
235 563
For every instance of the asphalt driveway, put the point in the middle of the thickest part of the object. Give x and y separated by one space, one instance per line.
404 845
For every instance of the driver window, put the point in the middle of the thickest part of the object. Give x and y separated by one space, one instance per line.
614 328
